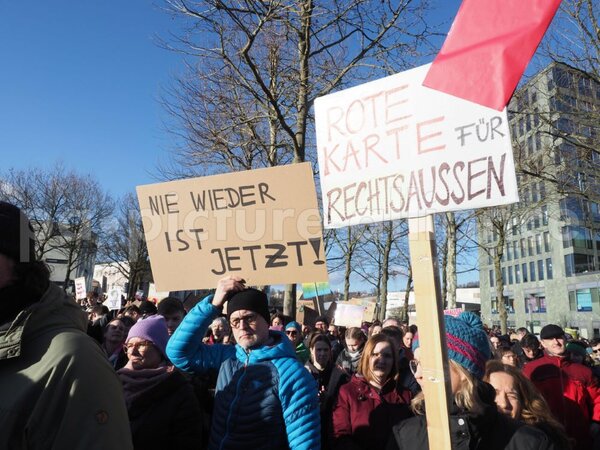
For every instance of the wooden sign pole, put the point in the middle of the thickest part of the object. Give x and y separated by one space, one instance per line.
432 336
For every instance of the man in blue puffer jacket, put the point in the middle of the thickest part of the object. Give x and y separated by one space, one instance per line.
264 399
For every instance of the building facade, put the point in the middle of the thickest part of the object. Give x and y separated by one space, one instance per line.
550 263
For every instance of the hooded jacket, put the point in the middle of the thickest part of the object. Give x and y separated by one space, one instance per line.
264 397
57 388
572 394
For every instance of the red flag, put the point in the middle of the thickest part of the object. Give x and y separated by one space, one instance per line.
488 48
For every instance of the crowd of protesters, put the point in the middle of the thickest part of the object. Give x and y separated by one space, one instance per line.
232 374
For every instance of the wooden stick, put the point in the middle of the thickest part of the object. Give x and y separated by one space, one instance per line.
432 335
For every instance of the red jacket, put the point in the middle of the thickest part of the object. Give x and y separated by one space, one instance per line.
572 394
363 418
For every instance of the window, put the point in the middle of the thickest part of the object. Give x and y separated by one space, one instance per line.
532 271
509 304
546 241
571 207
576 237
517 274
572 301
524 272
523 253
504 275
508 251
548 268
584 300
491 278
538 137
538 244
584 86
515 245
578 263
534 192
510 275
540 265
494 303
544 215
535 303
530 245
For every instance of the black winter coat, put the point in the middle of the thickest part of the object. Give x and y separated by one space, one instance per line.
489 430
166 416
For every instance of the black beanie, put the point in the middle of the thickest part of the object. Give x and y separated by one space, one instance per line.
16 235
252 300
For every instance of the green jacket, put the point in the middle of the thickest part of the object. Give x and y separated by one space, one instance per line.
57 389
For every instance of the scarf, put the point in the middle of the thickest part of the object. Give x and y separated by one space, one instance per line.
137 382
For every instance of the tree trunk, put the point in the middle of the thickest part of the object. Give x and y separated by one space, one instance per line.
450 271
385 270
347 272
407 289
289 301
444 262
502 313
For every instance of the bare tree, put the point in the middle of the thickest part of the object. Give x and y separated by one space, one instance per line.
124 246
67 211
256 68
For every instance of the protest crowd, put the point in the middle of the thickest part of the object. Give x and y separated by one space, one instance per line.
232 374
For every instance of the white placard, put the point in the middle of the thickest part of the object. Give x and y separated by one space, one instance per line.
347 315
114 299
80 290
392 149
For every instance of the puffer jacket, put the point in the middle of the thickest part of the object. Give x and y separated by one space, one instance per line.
572 394
57 389
264 399
363 417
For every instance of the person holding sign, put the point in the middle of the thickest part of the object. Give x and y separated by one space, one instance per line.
475 422
264 397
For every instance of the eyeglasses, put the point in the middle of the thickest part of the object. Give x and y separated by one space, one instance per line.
596 350
250 319
140 346
291 332
414 364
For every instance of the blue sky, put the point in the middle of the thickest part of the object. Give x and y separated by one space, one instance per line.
80 84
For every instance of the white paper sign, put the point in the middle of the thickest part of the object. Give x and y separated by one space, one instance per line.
392 149
114 299
80 290
347 315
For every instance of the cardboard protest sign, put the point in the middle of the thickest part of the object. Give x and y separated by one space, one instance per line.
114 299
263 225
348 315
392 149
80 290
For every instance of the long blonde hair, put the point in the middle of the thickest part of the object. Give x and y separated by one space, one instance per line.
466 398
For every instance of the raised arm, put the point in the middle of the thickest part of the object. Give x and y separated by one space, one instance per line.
185 348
